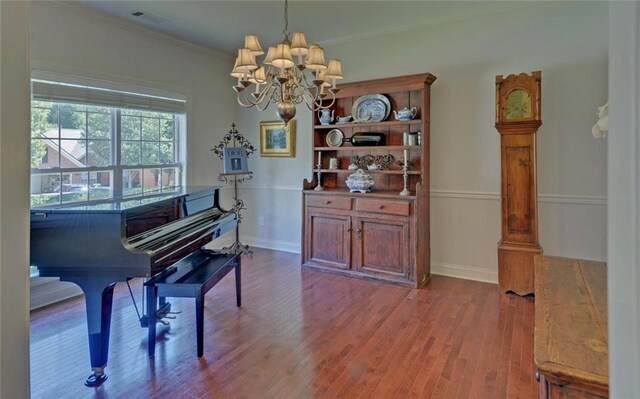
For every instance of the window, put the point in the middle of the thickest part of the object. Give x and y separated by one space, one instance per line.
87 152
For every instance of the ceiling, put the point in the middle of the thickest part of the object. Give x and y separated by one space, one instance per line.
221 25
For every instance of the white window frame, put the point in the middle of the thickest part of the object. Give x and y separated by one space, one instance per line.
118 169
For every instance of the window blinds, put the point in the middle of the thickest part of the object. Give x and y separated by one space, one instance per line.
44 90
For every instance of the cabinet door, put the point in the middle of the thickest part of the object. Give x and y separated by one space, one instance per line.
519 221
383 246
328 237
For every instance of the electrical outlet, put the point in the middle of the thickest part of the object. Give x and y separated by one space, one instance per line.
261 220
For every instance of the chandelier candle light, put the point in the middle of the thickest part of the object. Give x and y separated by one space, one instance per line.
286 82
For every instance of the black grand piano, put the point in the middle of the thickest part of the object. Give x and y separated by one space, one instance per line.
97 245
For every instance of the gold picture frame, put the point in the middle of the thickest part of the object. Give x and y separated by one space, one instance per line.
277 140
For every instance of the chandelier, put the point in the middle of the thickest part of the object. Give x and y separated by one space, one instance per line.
284 80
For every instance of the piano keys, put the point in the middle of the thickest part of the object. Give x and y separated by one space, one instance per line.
97 245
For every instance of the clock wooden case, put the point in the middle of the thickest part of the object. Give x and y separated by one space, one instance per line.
518 117
379 235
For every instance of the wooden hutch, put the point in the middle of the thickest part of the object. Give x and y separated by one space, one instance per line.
380 234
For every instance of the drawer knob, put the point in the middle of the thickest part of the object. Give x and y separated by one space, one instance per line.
381 207
328 202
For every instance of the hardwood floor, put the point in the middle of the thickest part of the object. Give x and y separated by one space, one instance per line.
301 334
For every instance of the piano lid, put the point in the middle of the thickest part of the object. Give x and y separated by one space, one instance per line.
120 204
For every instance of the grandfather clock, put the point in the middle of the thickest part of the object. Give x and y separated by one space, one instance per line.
517 121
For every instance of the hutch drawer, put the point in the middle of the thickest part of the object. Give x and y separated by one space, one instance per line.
329 202
383 206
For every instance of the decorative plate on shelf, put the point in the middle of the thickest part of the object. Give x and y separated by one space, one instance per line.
375 105
334 138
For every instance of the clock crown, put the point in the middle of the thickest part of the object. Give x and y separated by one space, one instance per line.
518 98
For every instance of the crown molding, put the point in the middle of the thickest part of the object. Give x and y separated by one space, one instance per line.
120 22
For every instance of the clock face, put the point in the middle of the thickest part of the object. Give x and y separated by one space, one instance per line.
518 105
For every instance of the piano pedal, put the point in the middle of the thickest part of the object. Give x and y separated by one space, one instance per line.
161 314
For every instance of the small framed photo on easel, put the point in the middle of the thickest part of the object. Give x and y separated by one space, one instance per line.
235 160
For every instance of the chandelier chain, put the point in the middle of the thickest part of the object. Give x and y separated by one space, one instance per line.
286 19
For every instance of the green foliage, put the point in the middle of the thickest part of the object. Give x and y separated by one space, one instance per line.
70 118
99 138
130 127
39 125
141 132
95 193
54 198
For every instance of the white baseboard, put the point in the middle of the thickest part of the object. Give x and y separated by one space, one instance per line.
45 291
277 245
464 272
439 268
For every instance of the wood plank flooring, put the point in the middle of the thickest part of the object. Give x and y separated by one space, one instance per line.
301 334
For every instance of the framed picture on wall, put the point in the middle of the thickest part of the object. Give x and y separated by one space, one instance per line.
278 140
235 160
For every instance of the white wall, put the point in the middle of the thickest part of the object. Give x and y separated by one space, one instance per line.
14 199
567 41
73 42
623 272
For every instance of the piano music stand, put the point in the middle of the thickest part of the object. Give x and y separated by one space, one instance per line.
234 139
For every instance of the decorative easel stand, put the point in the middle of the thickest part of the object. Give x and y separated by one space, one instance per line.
234 139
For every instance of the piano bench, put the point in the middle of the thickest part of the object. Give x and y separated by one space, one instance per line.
191 277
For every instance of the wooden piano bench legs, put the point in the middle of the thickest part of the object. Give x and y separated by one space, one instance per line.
192 277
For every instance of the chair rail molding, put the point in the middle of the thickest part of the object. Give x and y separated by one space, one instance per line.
471 195
547 198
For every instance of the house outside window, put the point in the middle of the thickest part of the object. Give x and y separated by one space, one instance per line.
89 152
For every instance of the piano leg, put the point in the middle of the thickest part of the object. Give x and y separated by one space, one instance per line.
238 282
152 300
200 321
98 299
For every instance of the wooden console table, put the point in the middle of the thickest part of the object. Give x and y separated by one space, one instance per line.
570 350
